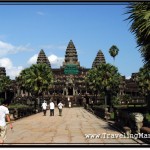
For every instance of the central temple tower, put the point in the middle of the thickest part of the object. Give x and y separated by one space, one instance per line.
71 57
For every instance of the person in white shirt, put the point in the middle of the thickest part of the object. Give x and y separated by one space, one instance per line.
52 107
69 104
44 107
4 112
60 106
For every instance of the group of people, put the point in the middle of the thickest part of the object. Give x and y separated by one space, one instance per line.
4 115
52 107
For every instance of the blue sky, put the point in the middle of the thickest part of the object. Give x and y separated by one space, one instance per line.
26 29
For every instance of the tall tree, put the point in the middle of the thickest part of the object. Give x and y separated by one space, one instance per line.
143 80
140 26
5 83
109 79
113 51
106 79
37 79
91 81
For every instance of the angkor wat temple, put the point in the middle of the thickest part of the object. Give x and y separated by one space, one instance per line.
69 79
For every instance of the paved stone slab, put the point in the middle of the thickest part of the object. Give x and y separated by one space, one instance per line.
71 128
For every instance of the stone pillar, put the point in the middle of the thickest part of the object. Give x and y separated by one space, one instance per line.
107 114
18 92
21 92
74 91
26 93
67 92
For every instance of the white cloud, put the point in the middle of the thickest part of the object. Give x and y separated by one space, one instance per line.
7 48
6 62
128 77
14 71
54 60
40 13
11 70
33 59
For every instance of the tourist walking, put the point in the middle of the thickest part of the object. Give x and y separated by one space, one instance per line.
92 103
60 106
69 104
52 107
4 113
44 107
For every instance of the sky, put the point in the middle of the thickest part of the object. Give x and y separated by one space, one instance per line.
26 29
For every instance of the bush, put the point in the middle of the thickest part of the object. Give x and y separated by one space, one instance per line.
100 106
17 106
20 110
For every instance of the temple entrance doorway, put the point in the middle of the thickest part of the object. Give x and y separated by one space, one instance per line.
80 102
70 91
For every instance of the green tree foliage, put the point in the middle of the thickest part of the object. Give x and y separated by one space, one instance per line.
5 83
113 51
36 79
91 80
143 80
140 25
105 78
108 78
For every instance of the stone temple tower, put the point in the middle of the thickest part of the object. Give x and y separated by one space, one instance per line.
42 58
98 59
2 71
71 56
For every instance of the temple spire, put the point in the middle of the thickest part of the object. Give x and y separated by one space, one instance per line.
71 56
98 59
42 58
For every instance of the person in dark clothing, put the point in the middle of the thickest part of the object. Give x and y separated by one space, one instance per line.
87 99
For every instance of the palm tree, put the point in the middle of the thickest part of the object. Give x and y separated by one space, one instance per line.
5 83
113 51
140 26
109 80
37 79
143 80
91 81
105 79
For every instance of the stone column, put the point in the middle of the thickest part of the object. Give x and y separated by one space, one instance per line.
74 91
26 93
21 92
67 92
18 92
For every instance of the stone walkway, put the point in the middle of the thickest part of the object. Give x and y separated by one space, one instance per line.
73 127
